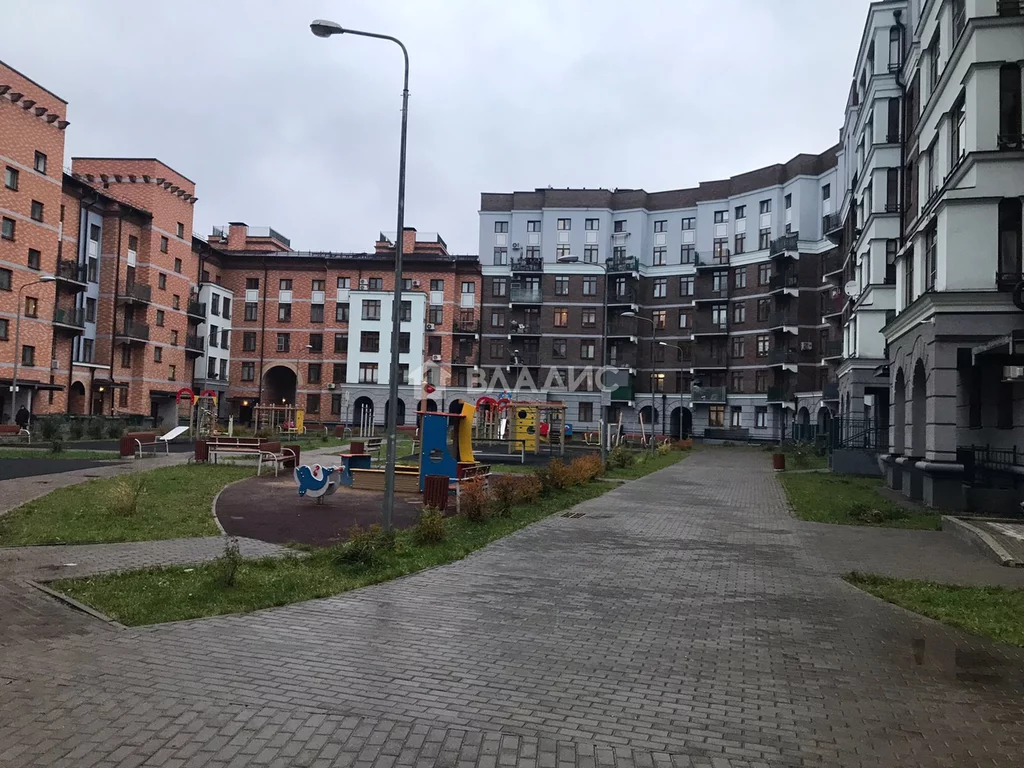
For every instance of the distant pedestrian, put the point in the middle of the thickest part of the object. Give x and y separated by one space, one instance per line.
22 417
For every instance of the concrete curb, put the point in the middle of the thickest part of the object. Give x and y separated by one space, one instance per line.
980 539
216 498
72 603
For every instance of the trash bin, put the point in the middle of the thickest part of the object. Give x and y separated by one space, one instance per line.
778 461
357 446
435 491
202 453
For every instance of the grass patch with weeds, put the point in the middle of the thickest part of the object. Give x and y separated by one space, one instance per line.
173 502
995 612
822 497
43 453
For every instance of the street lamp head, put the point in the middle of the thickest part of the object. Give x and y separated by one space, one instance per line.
630 313
665 344
325 28
567 259
47 279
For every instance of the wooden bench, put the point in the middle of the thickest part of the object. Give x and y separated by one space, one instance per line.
259 447
15 433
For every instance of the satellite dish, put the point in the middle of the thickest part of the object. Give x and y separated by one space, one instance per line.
852 290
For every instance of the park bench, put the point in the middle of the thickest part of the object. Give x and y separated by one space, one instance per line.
261 448
164 440
12 432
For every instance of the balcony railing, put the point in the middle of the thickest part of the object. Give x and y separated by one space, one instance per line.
785 244
715 259
134 331
708 394
706 323
622 264
831 222
72 272
834 306
527 264
196 309
520 295
830 392
466 326
73 317
194 344
783 357
523 329
780 319
137 292
1010 141
833 263
833 349
524 358
779 394
622 296
623 327
1010 7
703 358
780 282
622 360
464 358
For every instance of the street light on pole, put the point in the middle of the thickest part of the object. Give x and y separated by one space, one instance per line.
603 421
654 365
681 369
17 341
325 28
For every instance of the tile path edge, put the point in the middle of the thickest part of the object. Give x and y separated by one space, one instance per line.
71 602
980 539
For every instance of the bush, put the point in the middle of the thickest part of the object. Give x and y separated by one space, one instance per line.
364 546
620 457
473 500
126 494
586 469
56 446
76 430
226 566
95 429
875 516
49 427
115 429
508 491
430 527
664 449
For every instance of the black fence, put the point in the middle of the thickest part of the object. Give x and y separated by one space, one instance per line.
988 466
857 433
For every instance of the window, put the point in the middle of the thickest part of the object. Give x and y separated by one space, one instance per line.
660 318
564 225
34 257
284 313
739 243
251 311
589 318
659 255
1009 105
341 313
716 416
766 206
588 350
181 229
435 315
739 312
283 342
404 340
741 212
497 319
762 345
497 350
437 285
338 372
313 373
11 177
367 373
736 415
590 286
684 320
719 247
249 341
689 223
592 225
764 309
225 310
126 356
341 343
563 252
177 266
5 326
376 283
562 285
561 318
933 63
252 283
40 162
686 285
214 335
371 309
158 354
313 402
90 310
958 131
760 417
761 381
788 201
7 228
285 285
369 341
590 254
736 382
661 226
930 266
344 283
316 341
660 287
533 226
532 253
764 238
619 225
558 349
316 313
739 278
585 412
163 244
248 371
31 306
500 227
501 256
908 282
895 44
499 286
720 316
721 217
738 347
687 253
405 312
764 274
28 355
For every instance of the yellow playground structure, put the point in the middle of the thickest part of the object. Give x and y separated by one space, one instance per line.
525 426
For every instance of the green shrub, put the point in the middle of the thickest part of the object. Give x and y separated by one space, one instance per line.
430 527
226 566
585 469
76 429
473 500
95 429
508 491
56 445
664 449
127 493
115 429
49 427
364 546
621 457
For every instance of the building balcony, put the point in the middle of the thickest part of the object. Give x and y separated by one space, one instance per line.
706 325
833 349
72 319
832 226
780 283
833 265
782 321
710 358
627 296
715 260
193 346
133 332
705 294
527 264
518 359
780 394
711 395
1010 7
136 293
783 357
784 247
466 326
834 307
623 359
830 392
622 328
196 309
72 275
1010 141
464 358
516 328
622 264
519 295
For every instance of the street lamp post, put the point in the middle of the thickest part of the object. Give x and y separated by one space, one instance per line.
17 341
654 366
324 28
681 370
603 421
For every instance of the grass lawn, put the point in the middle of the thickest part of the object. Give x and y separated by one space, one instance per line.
175 593
823 497
806 461
994 612
43 453
175 504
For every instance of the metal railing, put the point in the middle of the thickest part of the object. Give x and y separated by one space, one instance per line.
268 232
466 326
830 392
71 271
524 358
193 343
833 263
527 264
196 309
834 348
831 222
784 244
523 329
464 358
137 292
708 394
1010 141
779 394
622 296
703 358
778 282
74 317
622 327
783 357
856 432
779 319
138 331
716 259
622 264
1007 281
1010 7
705 323
520 295
983 464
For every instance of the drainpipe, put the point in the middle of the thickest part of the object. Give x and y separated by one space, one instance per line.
263 327
897 16
113 323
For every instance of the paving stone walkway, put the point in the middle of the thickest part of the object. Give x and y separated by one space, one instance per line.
685 620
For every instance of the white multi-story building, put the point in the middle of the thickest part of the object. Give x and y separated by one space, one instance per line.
214 304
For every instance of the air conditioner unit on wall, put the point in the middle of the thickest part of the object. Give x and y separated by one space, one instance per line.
806 346
415 283
516 247
331 386
430 326
436 358
364 284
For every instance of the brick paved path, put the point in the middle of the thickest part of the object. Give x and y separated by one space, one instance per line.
685 620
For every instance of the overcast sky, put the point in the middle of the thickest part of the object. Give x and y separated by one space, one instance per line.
279 128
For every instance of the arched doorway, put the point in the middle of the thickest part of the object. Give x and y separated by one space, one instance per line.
279 385
399 412
430 404
455 406
824 420
680 423
645 414
362 412
76 399
918 411
899 413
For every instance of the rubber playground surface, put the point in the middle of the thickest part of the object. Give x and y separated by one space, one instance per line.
270 509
